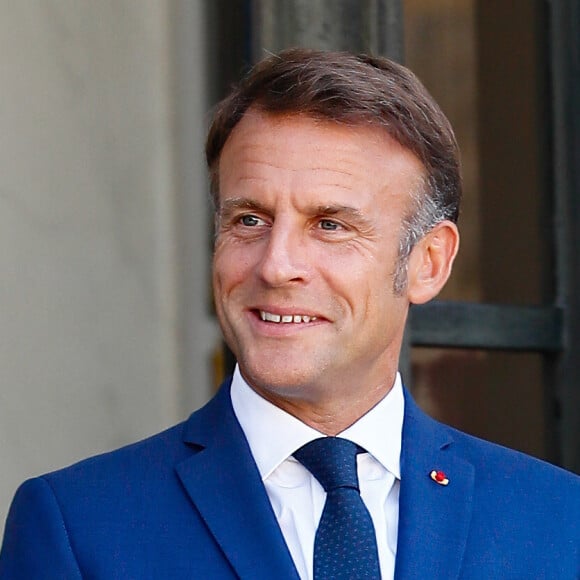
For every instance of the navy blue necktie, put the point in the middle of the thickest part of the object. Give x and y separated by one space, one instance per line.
345 546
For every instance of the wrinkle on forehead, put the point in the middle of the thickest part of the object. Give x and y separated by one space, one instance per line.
251 153
345 160
247 172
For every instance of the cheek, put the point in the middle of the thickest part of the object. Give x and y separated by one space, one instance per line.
367 278
230 269
374 298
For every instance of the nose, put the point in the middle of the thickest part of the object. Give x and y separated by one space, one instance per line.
284 258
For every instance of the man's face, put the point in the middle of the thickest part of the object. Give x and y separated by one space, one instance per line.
309 221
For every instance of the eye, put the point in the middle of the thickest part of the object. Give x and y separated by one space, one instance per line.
329 225
251 221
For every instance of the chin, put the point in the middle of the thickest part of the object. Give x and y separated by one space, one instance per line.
282 380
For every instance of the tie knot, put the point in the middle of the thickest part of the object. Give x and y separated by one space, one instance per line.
332 461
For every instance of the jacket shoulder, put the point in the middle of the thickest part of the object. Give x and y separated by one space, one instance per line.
164 448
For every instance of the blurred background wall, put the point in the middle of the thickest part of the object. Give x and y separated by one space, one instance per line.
102 200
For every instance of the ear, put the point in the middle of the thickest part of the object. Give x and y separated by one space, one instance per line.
431 261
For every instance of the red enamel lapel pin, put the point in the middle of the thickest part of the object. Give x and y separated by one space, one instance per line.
439 477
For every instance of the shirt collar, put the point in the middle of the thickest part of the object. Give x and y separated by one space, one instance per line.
379 431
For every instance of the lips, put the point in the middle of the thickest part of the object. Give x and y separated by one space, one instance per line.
286 318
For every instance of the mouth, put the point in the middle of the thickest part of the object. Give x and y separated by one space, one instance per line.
285 318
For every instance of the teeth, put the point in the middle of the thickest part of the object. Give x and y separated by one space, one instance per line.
286 318
272 317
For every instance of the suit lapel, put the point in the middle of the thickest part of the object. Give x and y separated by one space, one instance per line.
224 485
434 519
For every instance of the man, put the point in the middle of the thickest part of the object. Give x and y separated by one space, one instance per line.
336 185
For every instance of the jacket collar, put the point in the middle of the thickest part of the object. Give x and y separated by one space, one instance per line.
434 519
225 487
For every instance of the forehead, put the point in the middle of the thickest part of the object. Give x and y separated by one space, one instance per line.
287 129
315 161
296 145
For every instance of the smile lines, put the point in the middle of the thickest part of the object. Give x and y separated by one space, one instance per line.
285 318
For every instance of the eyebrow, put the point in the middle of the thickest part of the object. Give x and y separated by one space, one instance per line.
351 214
338 209
234 204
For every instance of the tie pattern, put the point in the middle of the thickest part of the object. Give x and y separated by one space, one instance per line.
345 546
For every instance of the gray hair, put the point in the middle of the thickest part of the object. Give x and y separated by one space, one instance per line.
425 213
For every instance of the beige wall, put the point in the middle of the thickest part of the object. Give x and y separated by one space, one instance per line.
101 118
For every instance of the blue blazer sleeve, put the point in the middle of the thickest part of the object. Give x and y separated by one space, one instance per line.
36 544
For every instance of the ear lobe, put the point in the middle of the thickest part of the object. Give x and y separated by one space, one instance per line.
431 261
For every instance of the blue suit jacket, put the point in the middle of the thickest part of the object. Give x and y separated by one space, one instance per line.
189 503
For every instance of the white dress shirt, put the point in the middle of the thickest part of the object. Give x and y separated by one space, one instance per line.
296 496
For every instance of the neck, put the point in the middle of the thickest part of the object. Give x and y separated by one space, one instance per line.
334 414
